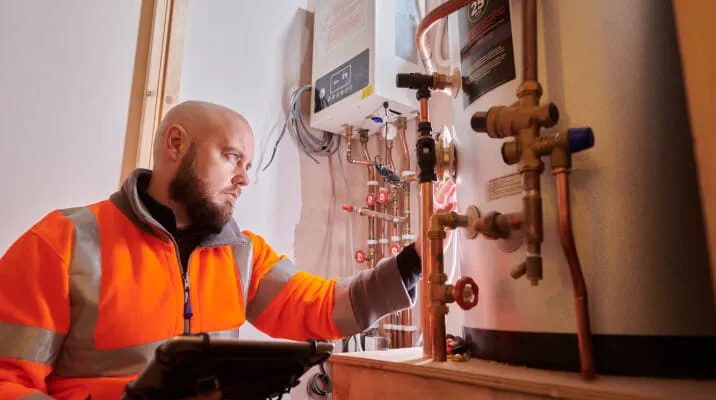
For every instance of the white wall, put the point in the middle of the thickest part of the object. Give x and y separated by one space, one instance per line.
65 77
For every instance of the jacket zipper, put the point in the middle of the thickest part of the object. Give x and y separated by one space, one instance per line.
188 313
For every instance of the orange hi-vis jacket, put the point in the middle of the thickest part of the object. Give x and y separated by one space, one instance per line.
87 295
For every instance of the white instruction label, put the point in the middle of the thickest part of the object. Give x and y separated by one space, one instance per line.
504 186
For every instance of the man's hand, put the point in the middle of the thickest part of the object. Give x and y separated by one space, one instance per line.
444 200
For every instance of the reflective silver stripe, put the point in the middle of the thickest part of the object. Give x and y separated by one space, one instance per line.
114 362
85 275
121 362
35 396
29 343
229 334
270 286
343 316
372 294
243 258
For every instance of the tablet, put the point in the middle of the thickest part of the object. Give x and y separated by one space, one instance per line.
187 366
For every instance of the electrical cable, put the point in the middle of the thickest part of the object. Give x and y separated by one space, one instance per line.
321 383
312 145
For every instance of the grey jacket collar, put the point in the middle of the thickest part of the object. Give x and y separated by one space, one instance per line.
129 203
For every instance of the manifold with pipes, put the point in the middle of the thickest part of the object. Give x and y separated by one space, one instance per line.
387 209
524 293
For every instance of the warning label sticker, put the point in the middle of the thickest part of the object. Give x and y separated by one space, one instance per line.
486 49
504 186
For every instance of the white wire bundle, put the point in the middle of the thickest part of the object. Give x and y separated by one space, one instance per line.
322 146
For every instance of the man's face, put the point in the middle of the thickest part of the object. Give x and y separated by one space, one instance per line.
211 174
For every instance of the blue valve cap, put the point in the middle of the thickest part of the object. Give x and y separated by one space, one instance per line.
377 120
580 139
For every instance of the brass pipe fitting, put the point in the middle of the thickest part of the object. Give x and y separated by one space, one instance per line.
463 292
505 121
493 225
451 220
349 136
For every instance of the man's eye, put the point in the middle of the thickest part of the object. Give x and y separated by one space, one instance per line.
233 157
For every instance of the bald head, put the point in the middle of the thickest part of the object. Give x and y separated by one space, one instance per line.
202 154
199 119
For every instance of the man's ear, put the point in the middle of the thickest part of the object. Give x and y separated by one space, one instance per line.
176 140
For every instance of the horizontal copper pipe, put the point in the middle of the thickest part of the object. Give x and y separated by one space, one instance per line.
584 333
505 222
367 212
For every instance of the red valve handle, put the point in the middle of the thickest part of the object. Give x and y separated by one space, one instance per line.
383 197
466 287
394 249
360 256
348 208
370 199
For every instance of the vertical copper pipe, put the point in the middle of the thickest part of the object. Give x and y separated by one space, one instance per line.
423 116
584 333
437 315
380 224
529 40
401 126
349 135
426 211
533 224
371 189
408 321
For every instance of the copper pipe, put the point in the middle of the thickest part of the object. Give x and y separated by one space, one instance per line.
371 257
405 317
437 308
381 249
401 125
426 211
396 335
349 135
408 321
369 212
394 201
428 22
584 333
423 116
503 222
529 39
532 203
440 293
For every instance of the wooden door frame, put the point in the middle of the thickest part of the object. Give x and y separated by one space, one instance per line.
156 78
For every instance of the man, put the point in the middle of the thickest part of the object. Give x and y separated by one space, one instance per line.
88 293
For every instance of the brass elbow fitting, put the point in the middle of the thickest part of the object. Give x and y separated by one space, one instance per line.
451 220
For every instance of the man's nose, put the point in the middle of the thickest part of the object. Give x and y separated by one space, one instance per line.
240 179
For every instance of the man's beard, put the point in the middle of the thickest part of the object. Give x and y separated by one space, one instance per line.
194 194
